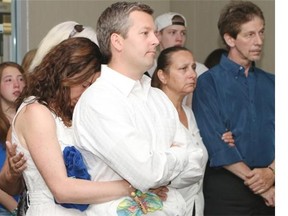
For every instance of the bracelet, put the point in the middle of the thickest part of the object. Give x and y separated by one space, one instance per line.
137 196
273 170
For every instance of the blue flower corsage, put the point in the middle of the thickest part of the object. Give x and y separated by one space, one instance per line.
75 168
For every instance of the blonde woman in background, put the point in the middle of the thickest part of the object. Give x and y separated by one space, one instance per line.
27 59
57 34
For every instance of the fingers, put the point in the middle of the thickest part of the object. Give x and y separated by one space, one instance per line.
228 138
161 192
19 158
162 195
231 144
269 197
259 189
17 164
257 185
252 183
10 149
270 201
259 180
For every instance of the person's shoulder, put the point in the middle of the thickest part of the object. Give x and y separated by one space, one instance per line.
158 96
208 74
34 114
200 68
156 92
269 75
36 109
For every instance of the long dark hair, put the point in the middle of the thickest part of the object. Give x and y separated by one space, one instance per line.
4 121
4 126
70 63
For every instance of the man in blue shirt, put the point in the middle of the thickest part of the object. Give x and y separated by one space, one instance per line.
239 97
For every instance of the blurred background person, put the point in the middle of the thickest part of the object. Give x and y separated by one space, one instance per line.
12 82
27 59
214 57
171 31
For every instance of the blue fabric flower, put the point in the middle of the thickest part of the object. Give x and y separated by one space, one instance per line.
74 163
76 168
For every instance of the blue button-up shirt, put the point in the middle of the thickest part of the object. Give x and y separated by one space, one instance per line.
225 99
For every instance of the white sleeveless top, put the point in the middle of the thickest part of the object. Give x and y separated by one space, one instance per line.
41 199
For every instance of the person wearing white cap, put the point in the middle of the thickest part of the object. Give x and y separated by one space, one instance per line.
171 31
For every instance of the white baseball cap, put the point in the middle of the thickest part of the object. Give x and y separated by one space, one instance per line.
166 20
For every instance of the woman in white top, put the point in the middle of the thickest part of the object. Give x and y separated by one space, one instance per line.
42 128
175 75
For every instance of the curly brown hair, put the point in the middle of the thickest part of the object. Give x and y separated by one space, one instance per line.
68 64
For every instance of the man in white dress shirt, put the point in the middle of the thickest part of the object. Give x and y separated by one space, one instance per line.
124 128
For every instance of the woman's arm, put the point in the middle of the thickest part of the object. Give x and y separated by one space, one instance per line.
11 181
259 180
7 201
36 130
11 173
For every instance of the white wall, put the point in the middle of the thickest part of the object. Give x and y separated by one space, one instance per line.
202 16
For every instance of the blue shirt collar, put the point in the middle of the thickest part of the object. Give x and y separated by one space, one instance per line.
236 69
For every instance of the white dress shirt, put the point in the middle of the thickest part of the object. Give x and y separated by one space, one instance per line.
125 129
193 193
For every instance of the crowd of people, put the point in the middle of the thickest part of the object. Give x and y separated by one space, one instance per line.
101 122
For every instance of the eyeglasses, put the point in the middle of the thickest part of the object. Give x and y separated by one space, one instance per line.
77 29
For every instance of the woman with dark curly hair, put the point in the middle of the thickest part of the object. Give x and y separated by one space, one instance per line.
42 129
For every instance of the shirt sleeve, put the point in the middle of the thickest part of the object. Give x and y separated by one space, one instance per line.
192 173
108 131
209 111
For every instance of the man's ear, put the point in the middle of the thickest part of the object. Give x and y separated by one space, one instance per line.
117 41
230 41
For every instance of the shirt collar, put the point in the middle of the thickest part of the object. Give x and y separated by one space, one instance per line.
125 84
234 67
